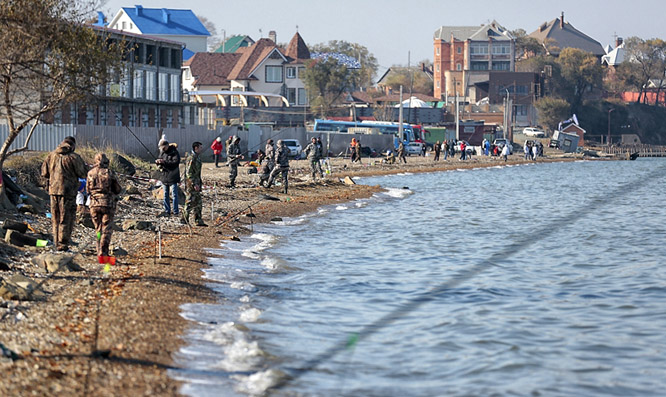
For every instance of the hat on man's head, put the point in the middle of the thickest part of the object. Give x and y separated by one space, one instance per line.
219 139
70 139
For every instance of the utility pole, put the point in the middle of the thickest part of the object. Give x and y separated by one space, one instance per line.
400 134
411 86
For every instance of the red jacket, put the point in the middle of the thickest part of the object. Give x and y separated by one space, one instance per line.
217 147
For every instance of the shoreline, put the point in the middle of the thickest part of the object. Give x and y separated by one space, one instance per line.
115 334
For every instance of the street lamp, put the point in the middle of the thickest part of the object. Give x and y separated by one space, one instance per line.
507 115
608 139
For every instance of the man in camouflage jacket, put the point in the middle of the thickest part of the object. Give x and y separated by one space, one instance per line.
103 187
193 183
62 170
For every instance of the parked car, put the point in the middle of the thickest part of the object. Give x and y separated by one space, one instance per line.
534 132
500 142
469 148
414 148
294 147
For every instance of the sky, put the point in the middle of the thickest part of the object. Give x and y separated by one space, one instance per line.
401 31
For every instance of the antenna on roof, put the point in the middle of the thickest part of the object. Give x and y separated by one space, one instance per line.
296 28
261 35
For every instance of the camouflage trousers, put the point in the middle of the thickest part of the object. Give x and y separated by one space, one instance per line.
193 205
63 214
284 171
233 173
102 218
315 166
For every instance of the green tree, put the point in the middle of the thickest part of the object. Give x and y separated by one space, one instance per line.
325 82
644 60
552 111
580 72
526 46
48 56
368 61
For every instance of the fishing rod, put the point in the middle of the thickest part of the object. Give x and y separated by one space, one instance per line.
245 208
137 138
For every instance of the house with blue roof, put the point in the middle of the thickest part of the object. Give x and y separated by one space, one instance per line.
171 24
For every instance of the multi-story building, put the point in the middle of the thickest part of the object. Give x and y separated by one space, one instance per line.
464 55
147 92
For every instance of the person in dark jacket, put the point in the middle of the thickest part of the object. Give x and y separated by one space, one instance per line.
281 166
168 165
103 187
62 170
437 148
268 163
234 156
193 185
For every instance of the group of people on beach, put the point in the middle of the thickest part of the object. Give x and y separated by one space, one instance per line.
62 171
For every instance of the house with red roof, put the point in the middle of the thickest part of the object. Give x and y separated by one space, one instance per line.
263 67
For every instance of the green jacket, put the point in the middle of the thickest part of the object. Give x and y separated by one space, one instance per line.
193 171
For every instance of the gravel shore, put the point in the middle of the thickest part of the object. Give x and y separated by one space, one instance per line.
112 334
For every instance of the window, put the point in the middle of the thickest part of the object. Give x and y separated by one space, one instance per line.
503 65
163 87
501 48
438 84
291 72
458 66
301 72
459 49
302 97
138 83
437 67
479 65
124 26
291 95
478 49
274 74
150 85
437 50
175 88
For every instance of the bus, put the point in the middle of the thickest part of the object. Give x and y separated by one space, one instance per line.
384 127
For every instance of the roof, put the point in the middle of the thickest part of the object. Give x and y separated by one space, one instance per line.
251 58
564 35
491 30
212 68
234 43
396 98
165 21
614 57
297 50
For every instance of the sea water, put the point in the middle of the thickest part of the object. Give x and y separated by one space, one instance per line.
543 279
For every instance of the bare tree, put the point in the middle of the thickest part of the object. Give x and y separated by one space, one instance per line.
48 57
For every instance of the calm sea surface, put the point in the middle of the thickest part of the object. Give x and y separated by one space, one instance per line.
532 280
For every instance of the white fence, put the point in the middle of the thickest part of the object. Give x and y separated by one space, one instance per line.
45 138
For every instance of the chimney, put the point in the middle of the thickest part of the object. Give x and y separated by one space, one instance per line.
618 41
139 10
562 20
273 36
165 15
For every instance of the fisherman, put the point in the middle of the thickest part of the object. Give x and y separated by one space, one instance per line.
401 152
311 153
169 174
193 183
217 147
282 165
234 156
320 156
438 148
62 170
358 150
352 149
268 162
103 187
